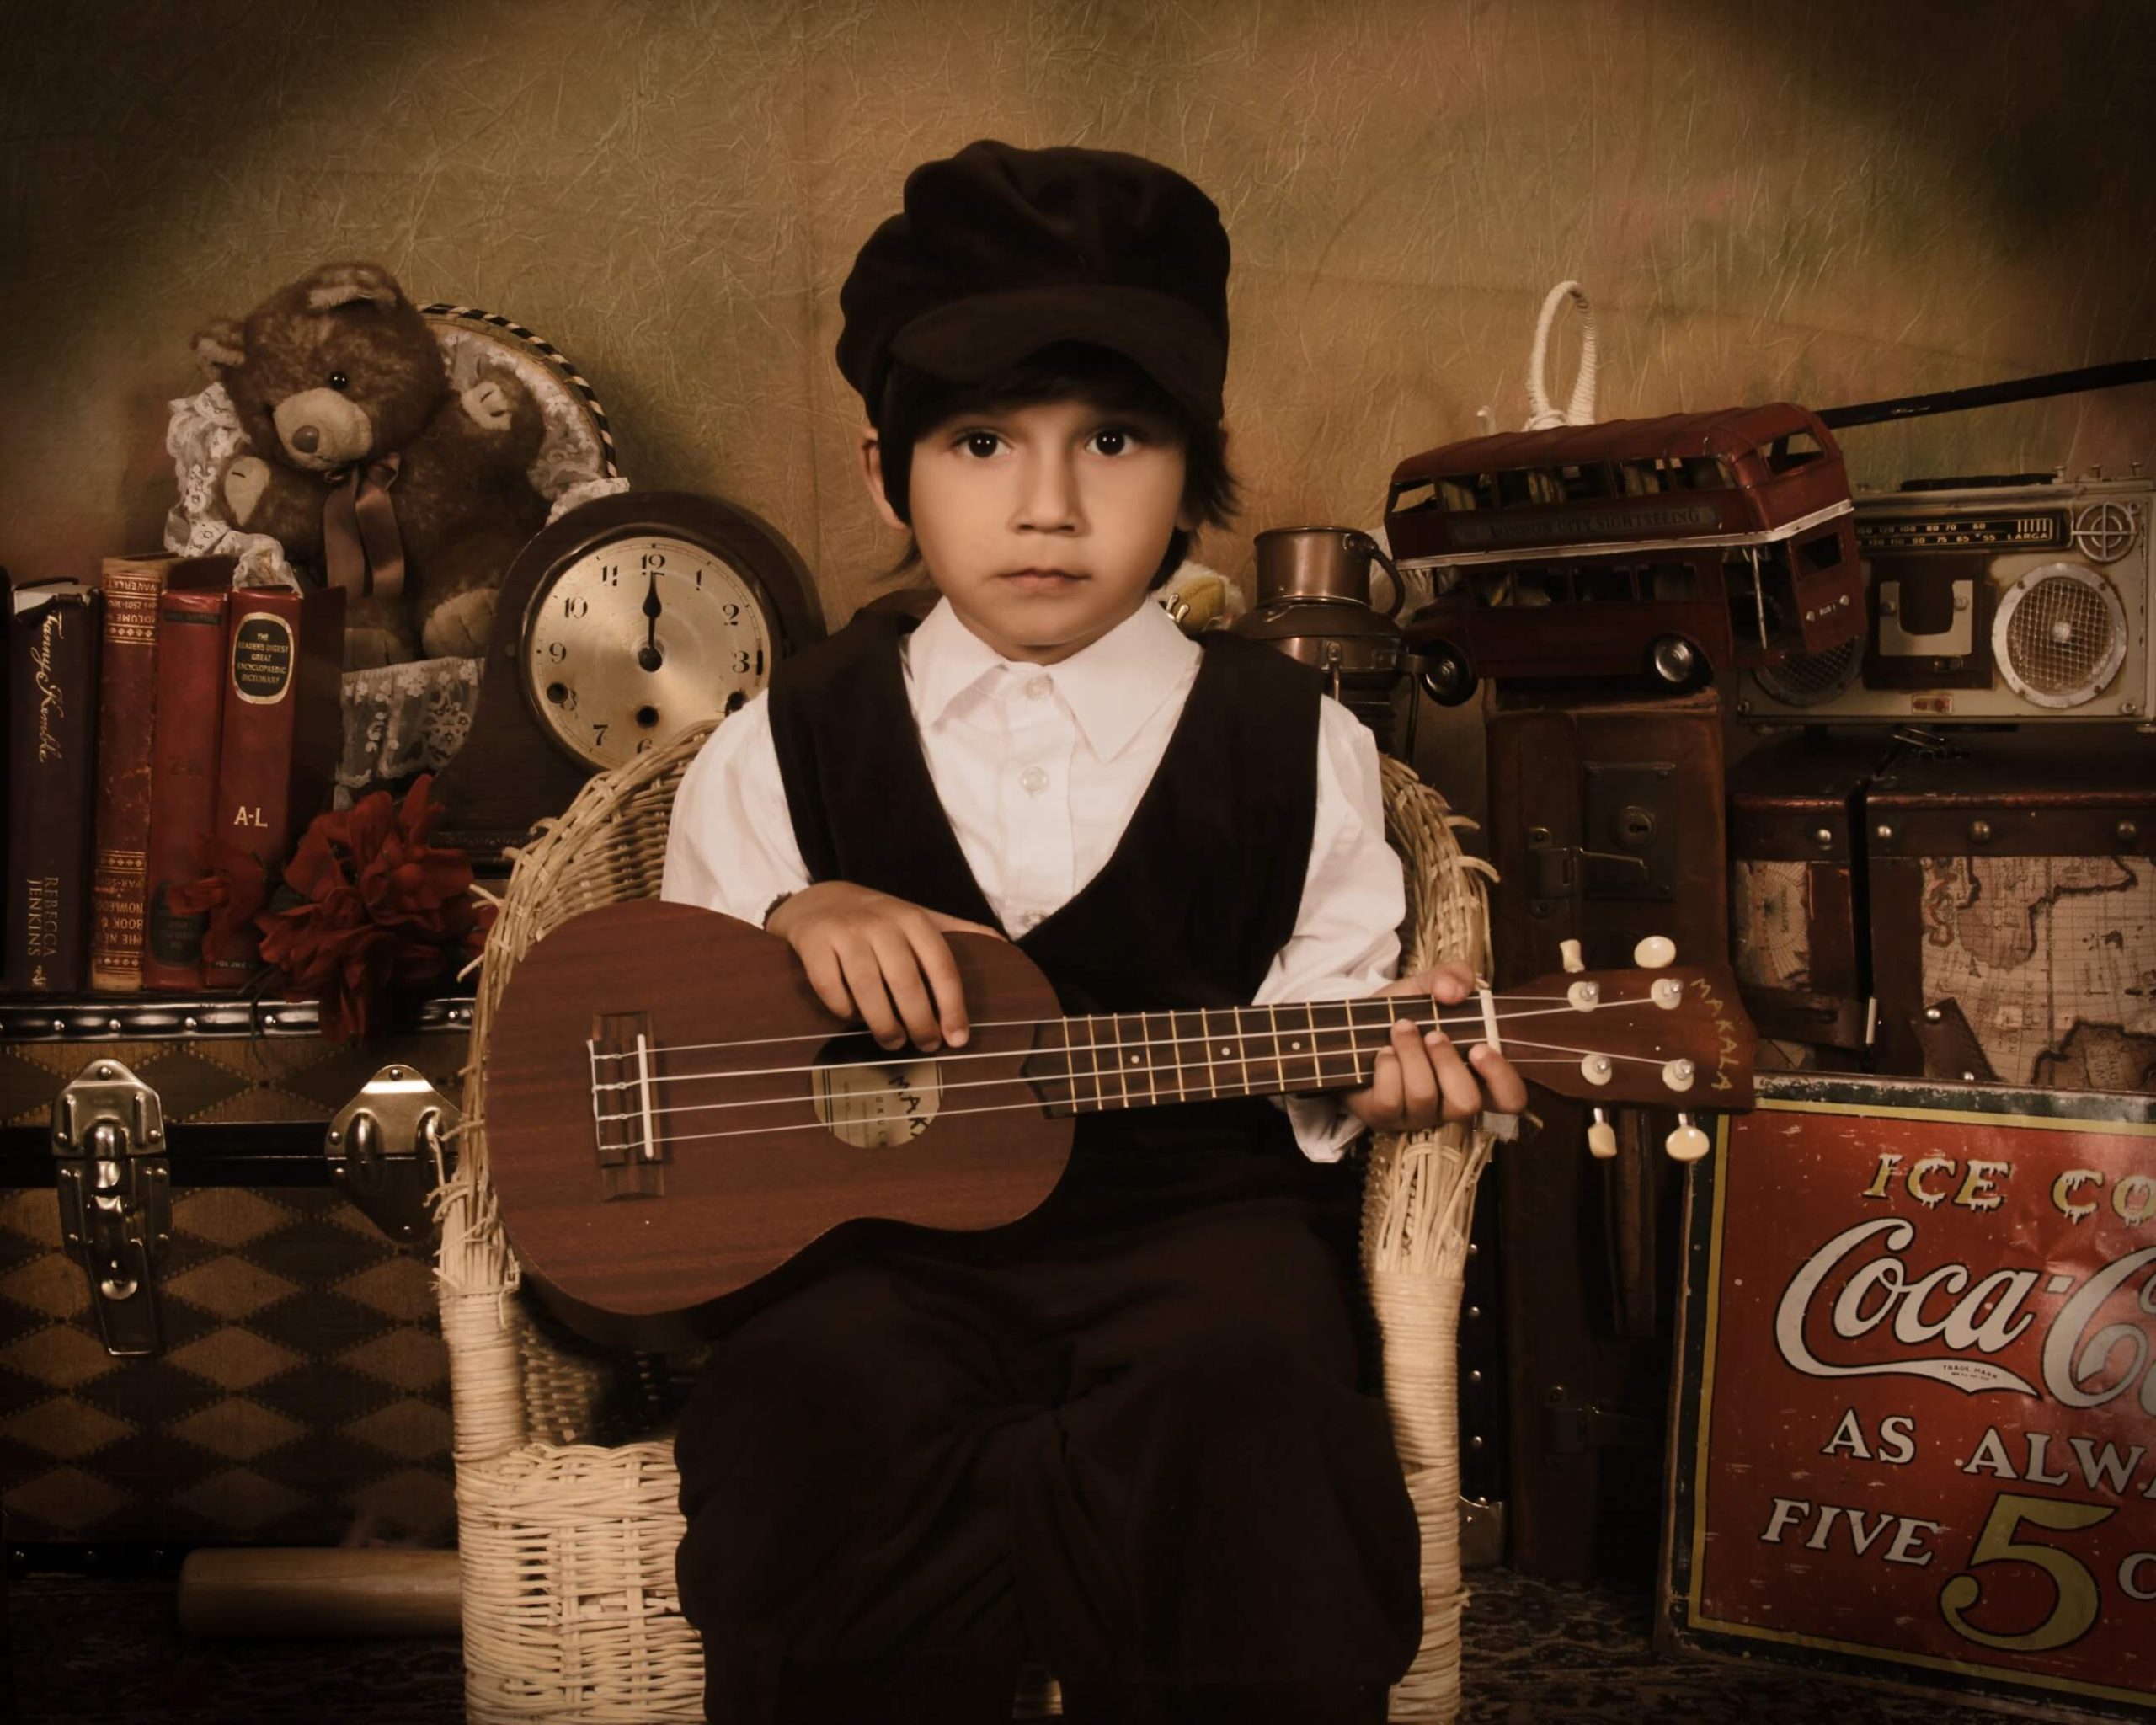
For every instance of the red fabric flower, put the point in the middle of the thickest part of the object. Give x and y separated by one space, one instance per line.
379 907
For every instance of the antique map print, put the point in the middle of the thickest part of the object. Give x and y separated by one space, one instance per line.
2049 959
1772 937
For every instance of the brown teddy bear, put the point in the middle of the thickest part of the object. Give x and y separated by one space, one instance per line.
340 386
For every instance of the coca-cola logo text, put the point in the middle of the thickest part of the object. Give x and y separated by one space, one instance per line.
1951 1317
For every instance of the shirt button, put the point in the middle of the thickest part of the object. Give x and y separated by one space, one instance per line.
1034 779
1031 919
1037 688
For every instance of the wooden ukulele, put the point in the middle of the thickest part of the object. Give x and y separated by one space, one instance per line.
673 1115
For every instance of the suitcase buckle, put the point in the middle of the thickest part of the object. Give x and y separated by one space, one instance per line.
115 1197
386 1151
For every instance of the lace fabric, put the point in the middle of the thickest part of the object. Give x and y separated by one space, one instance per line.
404 719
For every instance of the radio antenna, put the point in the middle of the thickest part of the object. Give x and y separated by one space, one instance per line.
1987 395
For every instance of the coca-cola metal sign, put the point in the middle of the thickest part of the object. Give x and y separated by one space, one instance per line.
1916 1423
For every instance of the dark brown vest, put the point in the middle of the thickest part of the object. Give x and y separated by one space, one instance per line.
1202 890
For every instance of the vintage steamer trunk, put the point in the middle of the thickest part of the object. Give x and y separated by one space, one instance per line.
2013 909
1796 914
1798 920
1976 908
1606 824
1912 1430
294 1388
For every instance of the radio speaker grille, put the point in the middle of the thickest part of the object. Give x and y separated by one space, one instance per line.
2059 636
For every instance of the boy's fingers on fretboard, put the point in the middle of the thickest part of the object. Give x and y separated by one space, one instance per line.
1418 1082
1506 1089
1463 1093
1448 983
1384 1089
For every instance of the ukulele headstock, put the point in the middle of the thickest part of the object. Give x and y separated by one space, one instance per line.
1659 1036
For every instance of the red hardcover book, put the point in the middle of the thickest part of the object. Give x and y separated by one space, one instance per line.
281 735
185 733
52 648
127 696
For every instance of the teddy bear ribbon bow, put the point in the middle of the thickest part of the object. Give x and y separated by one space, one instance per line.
364 552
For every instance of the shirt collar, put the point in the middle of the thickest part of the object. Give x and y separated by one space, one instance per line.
1112 686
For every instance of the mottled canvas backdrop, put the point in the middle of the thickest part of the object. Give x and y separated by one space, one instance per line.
1825 201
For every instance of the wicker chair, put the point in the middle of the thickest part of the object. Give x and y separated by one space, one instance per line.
566 1509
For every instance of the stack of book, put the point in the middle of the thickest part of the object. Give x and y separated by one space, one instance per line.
159 724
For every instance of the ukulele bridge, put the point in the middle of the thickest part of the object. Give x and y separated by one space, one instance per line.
624 1111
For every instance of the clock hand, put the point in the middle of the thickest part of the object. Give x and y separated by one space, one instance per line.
648 656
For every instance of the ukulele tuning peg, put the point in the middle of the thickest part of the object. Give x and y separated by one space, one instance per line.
1688 1143
1602 1137
1655 952
1570 951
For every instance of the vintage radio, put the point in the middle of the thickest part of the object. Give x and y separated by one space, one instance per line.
2018 598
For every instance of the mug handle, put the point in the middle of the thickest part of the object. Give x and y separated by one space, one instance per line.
1392 569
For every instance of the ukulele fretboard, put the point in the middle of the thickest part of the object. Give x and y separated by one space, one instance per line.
1141 1059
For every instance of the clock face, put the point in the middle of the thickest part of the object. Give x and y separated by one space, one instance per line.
636 639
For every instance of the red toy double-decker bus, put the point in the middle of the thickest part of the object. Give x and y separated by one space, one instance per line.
1671 548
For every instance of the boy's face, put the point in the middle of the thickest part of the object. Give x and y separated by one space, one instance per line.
1044 525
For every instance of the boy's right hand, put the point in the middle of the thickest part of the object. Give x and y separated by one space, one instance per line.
880 958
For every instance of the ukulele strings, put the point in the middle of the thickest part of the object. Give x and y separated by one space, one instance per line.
678 1047
999 1107
1471 1021
1557 1055
1120 1094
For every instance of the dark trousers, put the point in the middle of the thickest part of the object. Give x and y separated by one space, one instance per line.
1139 1457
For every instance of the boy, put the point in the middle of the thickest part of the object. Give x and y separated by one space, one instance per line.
1127 1440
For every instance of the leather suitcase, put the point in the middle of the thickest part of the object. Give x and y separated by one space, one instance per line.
2013 909
292 1387
1606 825
1799 920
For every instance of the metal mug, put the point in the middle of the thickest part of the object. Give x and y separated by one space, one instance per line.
1322 563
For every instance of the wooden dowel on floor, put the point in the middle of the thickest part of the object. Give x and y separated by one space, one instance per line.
357 1591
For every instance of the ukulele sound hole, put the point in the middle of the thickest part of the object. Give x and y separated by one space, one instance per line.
874 1098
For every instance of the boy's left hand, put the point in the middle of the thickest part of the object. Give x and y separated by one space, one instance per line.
1421 1081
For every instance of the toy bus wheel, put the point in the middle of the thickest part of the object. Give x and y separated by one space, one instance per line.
1444 675
1676 664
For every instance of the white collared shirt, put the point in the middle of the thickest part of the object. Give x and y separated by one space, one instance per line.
1039 768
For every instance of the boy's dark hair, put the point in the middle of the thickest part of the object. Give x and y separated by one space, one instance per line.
915 403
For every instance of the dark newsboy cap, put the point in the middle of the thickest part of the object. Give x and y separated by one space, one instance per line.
999 252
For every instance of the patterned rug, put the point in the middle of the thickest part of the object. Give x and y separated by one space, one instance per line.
1537 1653
110 1652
